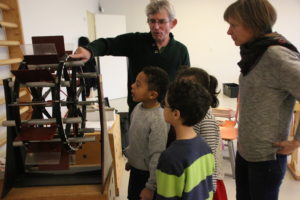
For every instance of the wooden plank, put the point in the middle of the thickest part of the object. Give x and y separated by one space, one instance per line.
2 141
3 6
116 149
72 192
2 101
10 61
9 43
8 24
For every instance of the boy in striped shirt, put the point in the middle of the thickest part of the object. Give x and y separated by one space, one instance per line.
185 168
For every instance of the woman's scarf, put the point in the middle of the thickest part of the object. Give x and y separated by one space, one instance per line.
251 52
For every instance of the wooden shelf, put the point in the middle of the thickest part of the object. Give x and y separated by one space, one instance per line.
8 24
12 15
9 43
10 61
3 6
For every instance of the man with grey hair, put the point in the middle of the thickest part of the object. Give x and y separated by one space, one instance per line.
157 48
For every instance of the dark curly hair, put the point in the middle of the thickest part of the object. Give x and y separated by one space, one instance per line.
199 75
157 80
191 99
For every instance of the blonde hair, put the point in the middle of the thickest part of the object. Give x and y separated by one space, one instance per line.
258 15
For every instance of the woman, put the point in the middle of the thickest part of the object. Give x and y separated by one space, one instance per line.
269 87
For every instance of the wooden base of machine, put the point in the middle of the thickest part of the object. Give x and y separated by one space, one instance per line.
71 192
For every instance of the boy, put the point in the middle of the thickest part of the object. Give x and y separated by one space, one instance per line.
208 128
185 169
147 132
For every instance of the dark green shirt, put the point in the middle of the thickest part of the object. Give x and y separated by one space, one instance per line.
141 50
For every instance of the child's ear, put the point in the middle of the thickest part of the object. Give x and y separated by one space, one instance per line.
176 114
153 94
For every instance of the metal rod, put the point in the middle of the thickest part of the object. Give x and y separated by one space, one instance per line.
40 84
87 75
75 140
41 66
74 63
71 120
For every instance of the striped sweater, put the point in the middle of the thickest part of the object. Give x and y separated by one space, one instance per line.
208 129
184 171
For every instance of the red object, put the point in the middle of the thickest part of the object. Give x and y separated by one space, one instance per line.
36 133
220 194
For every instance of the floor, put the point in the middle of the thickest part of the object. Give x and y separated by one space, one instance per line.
290 189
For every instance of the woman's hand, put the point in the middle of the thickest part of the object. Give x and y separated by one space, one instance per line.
287 147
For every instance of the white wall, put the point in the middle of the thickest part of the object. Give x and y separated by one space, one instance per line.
113 68
56 17
200 26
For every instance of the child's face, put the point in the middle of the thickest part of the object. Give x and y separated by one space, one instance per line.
139 89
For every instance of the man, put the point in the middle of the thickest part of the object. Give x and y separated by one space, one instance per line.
157 48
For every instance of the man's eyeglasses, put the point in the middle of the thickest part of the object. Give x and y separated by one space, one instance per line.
158 21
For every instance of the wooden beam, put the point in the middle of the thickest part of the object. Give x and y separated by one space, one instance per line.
9 43
10 61
4 6
8 24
